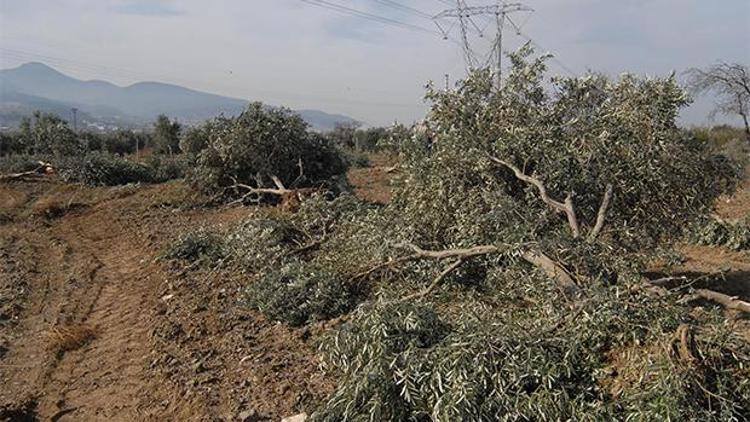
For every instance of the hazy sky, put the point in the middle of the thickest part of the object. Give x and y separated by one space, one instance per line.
288 52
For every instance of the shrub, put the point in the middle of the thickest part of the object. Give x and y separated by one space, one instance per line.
735 236
259 144
11 143
401 361
589 133
523 172
121 142
48 134
194 140
166 136
164 168
19 163
355 159
101 169
729 141
257 243
298 292
200 246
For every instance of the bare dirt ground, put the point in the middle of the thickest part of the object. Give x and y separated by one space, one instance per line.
94 327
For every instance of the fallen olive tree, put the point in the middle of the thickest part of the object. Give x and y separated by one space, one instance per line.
504 281
263 152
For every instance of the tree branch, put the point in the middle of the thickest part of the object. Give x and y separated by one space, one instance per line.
567 207
44 168
451 253
552 269
455 264
277 182
602 214
727 301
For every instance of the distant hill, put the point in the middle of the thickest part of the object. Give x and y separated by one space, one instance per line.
36 86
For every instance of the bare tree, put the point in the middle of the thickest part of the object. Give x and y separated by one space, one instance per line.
731 83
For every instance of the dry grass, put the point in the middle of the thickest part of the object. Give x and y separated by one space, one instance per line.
68 338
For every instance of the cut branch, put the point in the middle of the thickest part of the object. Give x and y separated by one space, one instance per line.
277 182
684 345
452 253
727 301
421 253
554 271
44 168
455 264
602 214
566 207
253 191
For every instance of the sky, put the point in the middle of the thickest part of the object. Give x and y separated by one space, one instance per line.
292 53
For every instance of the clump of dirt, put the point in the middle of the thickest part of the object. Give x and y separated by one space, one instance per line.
231 356
22 412
68 338
51 208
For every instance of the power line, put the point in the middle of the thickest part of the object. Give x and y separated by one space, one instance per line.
562 65
405 8
520 33
366 15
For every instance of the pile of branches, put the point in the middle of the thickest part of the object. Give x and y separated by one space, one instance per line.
719 232
92 168
505 279
264 153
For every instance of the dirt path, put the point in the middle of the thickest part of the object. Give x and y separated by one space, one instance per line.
93 286
94 327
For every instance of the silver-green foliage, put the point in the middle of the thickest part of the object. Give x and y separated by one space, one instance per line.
102 169
577 138
299 292
502 343
260 243
403 361
735 236
261 143
202 246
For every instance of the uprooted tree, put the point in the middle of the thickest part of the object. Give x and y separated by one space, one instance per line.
263 151
505 279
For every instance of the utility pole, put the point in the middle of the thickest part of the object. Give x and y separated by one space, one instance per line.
464 15
75 122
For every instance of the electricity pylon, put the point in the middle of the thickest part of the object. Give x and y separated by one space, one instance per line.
464 15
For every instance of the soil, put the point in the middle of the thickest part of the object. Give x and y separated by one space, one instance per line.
93 326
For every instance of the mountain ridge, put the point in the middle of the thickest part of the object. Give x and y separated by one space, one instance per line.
24 89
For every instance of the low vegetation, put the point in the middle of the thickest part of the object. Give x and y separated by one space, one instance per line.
298 293
732 235
201 246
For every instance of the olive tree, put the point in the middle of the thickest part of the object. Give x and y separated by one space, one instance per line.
264 150
166 136
507 270
46 133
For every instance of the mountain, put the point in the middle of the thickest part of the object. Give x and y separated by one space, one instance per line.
36 86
